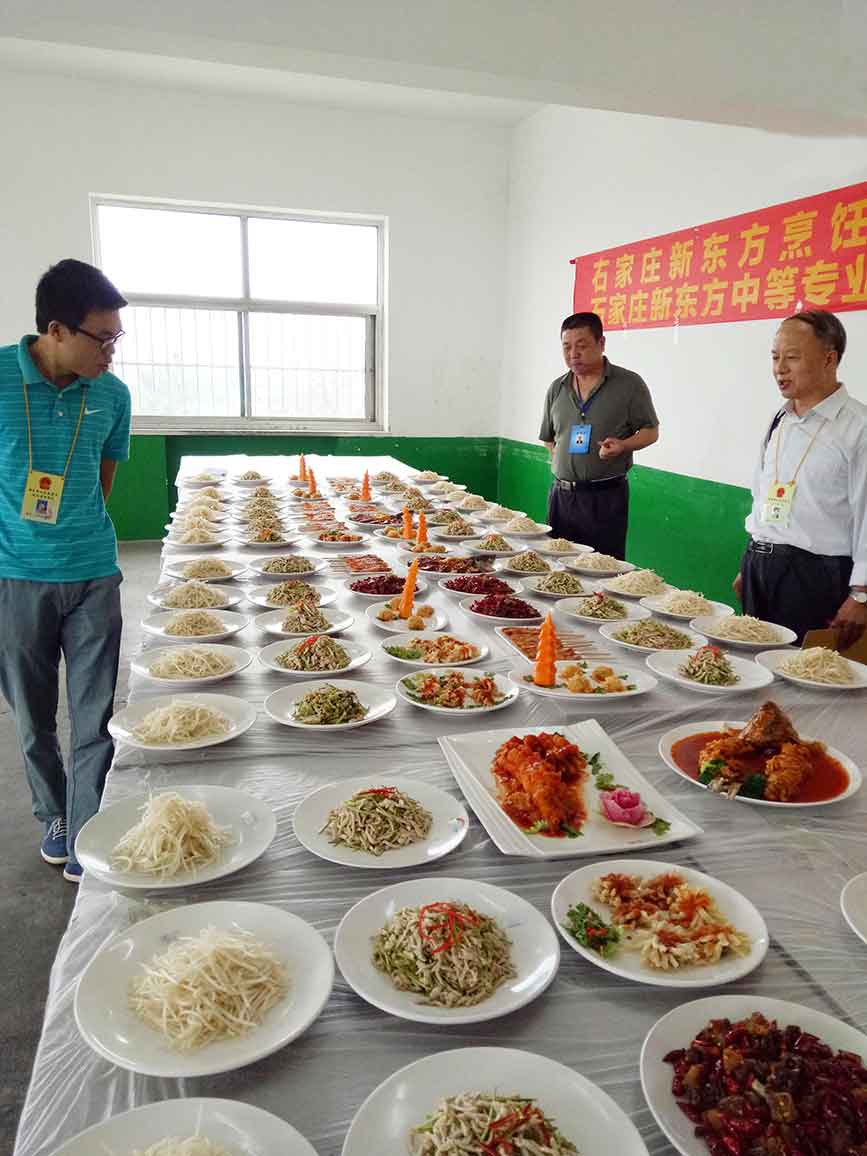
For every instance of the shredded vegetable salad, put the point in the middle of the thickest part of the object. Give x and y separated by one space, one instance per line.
710 667
490 1125
376 820
316 653
329 706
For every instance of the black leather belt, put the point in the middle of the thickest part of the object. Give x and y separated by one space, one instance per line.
782 549
602 483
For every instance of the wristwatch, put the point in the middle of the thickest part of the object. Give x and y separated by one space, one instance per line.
858 596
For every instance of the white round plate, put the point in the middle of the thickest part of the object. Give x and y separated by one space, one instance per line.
577 565
571 608
421 588
417 480
606 585
380 532
251 822
471 546
250 483
535 952
504 686
736 908
241 716
235 1126
707 624
442 535
314 543
379 700
540 531
258 595
119 1036
417 635
257 565
176 542
231 597
436 621
531 586
643 682
505 568
449 826
853 904
232 621
751 676
175 568
609 629
577 548
359 655
679 1027
493 619
584 1114
514 587
272 622
668 740
279 544
407 548
213 516
146 658
720 610
771 660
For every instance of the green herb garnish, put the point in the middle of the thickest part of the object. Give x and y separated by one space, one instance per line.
591 931
660 826
753 787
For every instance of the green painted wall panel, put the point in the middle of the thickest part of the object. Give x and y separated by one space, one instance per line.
139 502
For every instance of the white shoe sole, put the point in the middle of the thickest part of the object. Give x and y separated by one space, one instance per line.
72 878
54 860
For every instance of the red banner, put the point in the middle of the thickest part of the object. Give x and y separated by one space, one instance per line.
804 254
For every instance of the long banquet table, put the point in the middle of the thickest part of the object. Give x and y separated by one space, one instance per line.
791 864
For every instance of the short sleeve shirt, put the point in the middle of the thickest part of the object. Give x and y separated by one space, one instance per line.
82 544
618 407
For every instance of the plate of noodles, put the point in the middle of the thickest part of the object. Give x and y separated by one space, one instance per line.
656 923
289 591
315 654
709 670
191 665
446 951
205 569
597 607
199 1127
743 631
650 635
286 566
303 618
182 722
380 822
816 666
175 838
254 978
194 595
685 605
635 584
553 1108
322 705
195 625
596 565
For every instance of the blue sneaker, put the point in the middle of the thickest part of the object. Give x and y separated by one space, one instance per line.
73 872
54 849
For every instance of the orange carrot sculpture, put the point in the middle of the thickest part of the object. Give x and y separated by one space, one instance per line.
407 524
545 672
365 487
421 536
404 607
311 481
302 468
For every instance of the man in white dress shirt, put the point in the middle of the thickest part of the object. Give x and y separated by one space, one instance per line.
806 563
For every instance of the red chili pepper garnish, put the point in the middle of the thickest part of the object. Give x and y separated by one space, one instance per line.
308 642
379 791
450 929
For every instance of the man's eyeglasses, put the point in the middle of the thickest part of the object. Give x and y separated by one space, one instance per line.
104 343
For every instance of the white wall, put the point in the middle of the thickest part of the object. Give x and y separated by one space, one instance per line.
582 181
442 184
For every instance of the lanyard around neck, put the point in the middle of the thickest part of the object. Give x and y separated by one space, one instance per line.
74 436
583 405
803 455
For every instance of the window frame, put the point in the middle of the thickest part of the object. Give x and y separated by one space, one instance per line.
375 420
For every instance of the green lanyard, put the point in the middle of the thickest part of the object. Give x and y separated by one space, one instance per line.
74 436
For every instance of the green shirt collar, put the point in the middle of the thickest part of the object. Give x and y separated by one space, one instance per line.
31 374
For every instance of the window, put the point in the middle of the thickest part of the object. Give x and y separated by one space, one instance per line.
241 319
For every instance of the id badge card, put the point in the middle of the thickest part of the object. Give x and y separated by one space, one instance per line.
42 495
777 508
579 439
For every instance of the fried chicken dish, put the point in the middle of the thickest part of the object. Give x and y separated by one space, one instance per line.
540 784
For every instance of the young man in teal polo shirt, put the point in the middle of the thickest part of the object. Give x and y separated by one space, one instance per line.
65 422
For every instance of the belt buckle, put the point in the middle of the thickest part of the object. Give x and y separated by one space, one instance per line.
763 547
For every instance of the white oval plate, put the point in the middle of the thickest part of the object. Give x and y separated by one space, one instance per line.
176 542
720 610
257 565
120 1037
643 681
493 619
471 546
505 568
142 663
232 621
667 663
241 716
267 655
736 908
251 822
514 587
258 595
251 483
441 535
535 951
315 544
570 607
214 517
853 904
175 568
540 531
771 659
279 544
272 622
577 548
416 635
230 597
679 1027
606 585
706 624
504 685
584 1114
667 741
576 565
417 480
379 700
449 826
233 1125
531 586
436 621
607 630
421 588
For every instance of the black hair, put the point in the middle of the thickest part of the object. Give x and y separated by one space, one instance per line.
69 291
591 321
827 326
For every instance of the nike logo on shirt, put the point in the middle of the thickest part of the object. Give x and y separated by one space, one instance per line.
89 411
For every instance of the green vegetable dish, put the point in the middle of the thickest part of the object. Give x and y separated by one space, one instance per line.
591 931
329 705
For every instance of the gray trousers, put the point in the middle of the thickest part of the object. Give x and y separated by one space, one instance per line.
38 621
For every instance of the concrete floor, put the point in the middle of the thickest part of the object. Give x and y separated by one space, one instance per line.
35 900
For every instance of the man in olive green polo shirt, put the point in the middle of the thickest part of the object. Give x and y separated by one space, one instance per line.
594 419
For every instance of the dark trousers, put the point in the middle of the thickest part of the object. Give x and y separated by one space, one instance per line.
595 514
793 587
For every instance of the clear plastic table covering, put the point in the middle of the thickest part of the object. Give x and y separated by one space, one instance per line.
791 865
